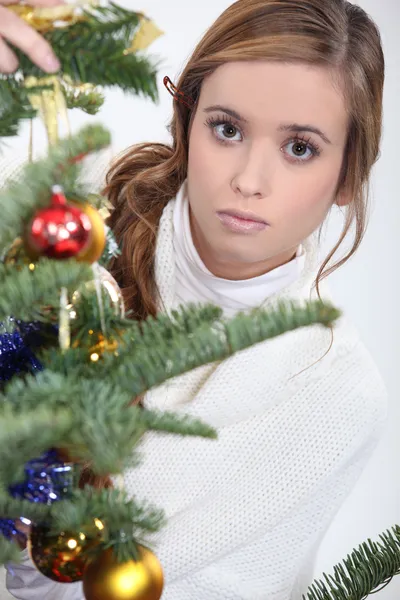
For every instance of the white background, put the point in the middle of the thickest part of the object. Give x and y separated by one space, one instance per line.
366 287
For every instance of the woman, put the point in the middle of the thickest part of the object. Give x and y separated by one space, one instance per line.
277 118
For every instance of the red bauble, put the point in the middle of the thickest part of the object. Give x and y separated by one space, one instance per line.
59 231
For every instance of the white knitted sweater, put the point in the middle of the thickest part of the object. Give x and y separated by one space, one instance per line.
247 512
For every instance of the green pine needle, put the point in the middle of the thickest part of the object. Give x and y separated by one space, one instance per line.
23 293
367 570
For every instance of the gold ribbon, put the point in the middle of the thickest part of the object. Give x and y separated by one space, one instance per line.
145 35
50 104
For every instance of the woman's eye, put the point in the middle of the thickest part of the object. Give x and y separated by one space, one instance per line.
300 149
227 131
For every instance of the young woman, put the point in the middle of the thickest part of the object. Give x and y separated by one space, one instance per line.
277 118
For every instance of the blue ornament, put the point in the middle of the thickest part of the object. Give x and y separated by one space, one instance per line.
47 480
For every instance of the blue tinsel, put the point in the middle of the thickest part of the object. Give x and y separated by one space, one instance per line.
16 356
47 479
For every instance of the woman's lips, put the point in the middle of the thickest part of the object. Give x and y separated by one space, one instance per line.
241 222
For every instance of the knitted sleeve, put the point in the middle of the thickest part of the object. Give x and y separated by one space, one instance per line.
279 564
273 481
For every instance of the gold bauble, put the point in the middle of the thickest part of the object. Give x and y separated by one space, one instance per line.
105 579
63 557
98 235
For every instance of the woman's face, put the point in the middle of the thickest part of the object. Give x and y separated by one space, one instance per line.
251 155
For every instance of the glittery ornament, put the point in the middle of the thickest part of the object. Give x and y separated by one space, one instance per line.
63 557
48 479
104 281
105 579
60 231
101 347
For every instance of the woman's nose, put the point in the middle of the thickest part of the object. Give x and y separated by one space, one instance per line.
251 178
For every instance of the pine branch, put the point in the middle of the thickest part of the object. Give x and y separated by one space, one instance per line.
90 101
141 367
14 508
104 428
169 423
120 510
32 189
127 521
14 106
159 349
93 51
365 570
24 436
113 20
23 293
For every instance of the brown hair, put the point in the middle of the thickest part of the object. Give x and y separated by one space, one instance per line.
335 34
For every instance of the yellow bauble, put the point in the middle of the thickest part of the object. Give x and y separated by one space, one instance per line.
105 579
98 235
62 557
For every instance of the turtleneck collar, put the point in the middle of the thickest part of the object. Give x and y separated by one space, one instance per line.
195 283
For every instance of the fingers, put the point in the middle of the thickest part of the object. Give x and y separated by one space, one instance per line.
46 2
16 31
8 60
35 2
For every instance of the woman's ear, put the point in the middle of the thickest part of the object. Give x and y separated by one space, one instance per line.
343 198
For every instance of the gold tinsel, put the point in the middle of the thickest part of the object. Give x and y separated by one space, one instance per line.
46 19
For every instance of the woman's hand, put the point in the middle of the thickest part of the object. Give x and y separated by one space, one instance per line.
16 31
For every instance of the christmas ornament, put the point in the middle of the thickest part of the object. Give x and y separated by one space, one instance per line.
48 479
105 579
98 234
102 346
59 231
105 282
63 557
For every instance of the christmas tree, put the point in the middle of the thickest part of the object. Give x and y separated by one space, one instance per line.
72 362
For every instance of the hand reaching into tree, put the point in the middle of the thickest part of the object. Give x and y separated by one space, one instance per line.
20 34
